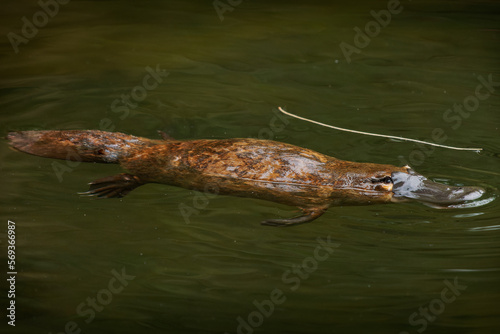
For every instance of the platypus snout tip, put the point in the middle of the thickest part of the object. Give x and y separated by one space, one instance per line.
417 187
468 193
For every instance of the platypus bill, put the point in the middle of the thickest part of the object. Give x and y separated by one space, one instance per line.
253 168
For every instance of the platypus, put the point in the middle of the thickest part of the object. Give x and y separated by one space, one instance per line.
255 168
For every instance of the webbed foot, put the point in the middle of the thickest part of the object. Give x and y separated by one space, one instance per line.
115 186
308 215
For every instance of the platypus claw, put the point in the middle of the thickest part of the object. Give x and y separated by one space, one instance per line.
308 216
115 186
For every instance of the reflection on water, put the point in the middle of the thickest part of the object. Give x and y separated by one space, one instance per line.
473 204
221 272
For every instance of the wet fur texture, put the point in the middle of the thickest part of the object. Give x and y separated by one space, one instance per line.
263 169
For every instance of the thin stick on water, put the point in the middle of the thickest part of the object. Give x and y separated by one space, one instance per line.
379 135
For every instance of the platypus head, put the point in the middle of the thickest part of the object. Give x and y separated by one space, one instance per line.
374 183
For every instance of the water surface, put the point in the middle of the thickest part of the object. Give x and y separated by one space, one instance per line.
226 79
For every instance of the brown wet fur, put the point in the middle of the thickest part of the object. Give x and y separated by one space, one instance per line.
263 169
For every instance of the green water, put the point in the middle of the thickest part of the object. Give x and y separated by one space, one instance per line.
385 264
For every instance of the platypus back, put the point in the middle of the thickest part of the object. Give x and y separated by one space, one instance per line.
78 145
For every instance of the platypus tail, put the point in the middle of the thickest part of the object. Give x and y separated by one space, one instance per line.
78 145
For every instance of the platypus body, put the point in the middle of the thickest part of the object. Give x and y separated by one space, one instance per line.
263 169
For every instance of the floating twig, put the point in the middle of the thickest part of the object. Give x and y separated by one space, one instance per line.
379 135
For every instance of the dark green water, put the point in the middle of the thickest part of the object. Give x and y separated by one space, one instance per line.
386 265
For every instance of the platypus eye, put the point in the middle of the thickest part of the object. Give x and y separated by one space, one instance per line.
386 179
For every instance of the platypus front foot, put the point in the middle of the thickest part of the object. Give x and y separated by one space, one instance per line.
308 215
115 186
